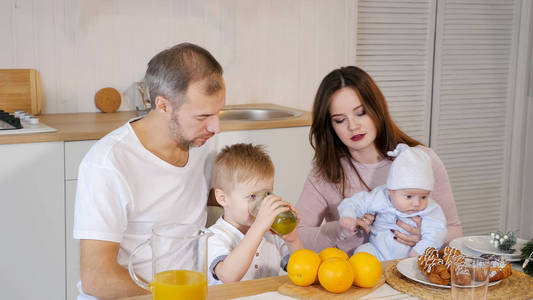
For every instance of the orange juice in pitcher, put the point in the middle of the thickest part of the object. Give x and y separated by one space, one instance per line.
179 284
179 262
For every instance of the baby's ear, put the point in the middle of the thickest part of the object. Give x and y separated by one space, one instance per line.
220 196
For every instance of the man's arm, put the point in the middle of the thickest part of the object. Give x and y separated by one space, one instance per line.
101 275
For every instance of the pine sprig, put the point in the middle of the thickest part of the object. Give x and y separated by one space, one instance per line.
503 240
526 254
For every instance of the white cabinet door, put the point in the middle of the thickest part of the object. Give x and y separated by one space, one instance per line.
289 149
32 221
74 153
73 245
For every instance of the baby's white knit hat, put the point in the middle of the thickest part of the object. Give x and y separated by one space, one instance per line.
411 169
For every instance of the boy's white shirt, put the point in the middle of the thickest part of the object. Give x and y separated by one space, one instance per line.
265 263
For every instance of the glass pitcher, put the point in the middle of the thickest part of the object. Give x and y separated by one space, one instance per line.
179 262
284 223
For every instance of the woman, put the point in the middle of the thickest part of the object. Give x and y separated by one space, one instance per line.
351 133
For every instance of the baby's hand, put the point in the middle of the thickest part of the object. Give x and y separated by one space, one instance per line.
271 206
365 222
348 226
413 253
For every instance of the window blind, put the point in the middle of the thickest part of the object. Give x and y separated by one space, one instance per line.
395 46
475 47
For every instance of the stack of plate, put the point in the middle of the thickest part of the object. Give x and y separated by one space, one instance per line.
477 245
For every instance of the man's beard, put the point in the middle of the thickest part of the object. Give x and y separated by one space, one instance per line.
176 130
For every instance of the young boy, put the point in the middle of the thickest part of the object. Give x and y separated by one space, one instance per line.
243 247
405 195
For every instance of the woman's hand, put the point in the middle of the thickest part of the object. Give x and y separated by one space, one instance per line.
414 235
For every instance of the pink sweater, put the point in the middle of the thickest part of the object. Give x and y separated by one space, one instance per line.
320 198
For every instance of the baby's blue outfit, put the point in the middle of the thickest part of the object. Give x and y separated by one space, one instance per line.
382 243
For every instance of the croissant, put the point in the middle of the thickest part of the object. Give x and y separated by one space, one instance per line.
499 267
436 265
449 254
448 251
433 267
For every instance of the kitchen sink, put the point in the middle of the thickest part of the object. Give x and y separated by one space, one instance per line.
257 114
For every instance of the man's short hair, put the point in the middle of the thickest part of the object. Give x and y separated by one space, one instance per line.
171 71
241 163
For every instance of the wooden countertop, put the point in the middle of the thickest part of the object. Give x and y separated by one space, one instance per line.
92 126
244 288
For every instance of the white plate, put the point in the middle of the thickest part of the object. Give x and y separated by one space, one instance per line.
459 243
408 267
482 244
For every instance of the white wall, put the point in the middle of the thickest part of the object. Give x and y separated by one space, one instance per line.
272 51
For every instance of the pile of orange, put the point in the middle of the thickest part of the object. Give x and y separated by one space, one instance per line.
333 269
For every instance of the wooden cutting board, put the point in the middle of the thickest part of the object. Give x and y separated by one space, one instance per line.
20 89
316 292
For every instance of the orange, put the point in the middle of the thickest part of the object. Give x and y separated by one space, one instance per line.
332 252
367 269
335 275
303 267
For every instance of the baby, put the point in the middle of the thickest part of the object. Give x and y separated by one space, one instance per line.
243 247
405 195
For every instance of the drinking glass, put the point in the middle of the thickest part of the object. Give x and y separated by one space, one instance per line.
179 262
284 223
469 278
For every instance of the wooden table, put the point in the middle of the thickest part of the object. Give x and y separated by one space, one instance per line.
243 288
236 289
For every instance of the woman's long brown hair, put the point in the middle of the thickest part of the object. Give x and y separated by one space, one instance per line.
329 149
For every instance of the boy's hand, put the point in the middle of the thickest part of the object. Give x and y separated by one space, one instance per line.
271 206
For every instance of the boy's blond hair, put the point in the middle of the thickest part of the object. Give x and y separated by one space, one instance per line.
240 163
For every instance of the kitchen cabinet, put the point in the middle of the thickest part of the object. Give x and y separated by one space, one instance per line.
33 221
74 153
72 245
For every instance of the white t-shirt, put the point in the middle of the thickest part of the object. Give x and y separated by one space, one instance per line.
124 189
269 257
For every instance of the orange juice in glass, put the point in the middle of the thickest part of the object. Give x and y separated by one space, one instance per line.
179 262
284 223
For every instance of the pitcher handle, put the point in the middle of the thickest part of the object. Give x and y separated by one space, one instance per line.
138 280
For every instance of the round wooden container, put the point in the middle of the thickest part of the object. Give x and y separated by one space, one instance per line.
107 99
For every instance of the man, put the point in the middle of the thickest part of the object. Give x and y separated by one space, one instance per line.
151 170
